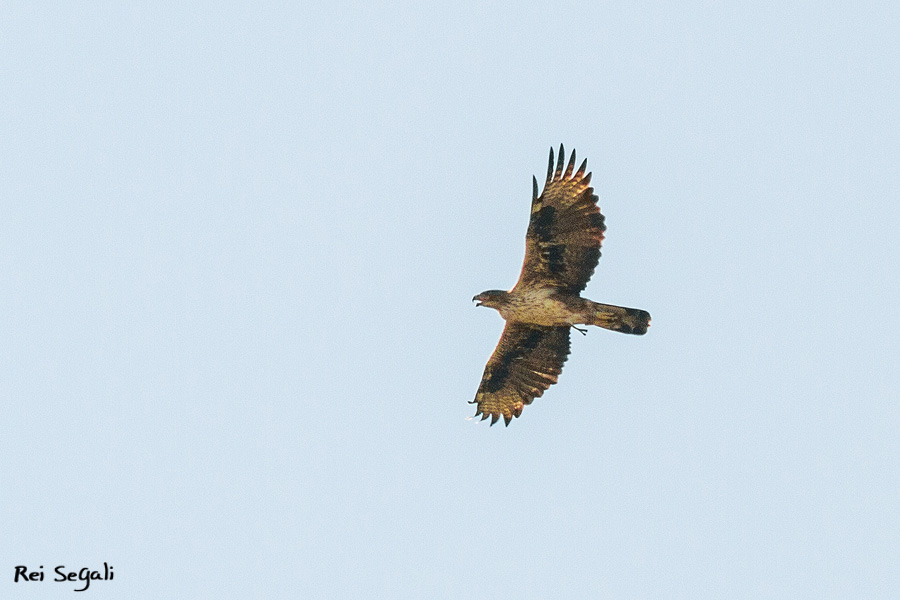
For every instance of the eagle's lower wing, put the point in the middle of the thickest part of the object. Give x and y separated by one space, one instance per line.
565 232
528 360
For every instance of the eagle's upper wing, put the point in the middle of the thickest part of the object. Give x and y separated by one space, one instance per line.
528 360
562 246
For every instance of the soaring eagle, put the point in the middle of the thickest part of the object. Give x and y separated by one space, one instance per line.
562 248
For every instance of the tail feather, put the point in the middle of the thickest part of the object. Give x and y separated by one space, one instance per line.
619 318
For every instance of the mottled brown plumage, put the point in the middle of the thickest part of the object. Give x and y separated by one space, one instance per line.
562 249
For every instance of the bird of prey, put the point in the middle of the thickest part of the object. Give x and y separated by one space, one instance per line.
562 248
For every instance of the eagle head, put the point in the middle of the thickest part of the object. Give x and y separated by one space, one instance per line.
491 298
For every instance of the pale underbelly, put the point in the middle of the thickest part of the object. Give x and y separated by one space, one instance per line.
542 311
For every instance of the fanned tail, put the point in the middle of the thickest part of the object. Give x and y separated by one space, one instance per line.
620 318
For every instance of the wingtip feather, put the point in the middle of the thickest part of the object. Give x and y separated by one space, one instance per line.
581 169
571 166
550 165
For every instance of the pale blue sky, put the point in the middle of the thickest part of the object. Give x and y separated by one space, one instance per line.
238 247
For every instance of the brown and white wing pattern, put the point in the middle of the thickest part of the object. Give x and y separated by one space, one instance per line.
565 232
528 360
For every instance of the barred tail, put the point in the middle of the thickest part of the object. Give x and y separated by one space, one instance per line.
619 318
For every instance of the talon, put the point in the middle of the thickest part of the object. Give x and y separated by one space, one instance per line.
580 330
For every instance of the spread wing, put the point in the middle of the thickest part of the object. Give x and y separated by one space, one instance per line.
562 246
528 360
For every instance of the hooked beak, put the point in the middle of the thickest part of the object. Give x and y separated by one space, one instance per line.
477 300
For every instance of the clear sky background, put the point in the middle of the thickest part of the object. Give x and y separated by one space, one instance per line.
238 247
